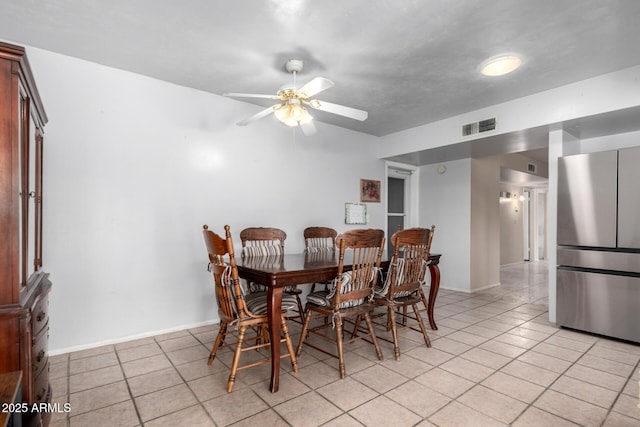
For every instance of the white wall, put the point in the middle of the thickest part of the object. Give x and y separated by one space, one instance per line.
511 223
445 201
610 142
519 162
485 224
135 166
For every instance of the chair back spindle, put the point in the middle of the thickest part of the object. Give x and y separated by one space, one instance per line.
262 241
320 239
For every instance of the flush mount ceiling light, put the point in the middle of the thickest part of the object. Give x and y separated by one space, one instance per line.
500 65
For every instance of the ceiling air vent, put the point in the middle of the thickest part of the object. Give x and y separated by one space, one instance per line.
487 125
469 129
479 127
531 167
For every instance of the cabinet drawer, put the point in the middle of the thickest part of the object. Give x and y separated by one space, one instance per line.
39 354
40 314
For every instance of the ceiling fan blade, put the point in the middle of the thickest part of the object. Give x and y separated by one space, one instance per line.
258 115
251 95
340 110
315 86
308 128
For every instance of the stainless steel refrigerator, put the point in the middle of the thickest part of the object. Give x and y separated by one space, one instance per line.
598 272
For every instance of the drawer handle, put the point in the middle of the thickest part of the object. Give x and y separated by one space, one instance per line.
41 316
40 356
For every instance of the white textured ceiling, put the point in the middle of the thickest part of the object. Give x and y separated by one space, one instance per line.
406 62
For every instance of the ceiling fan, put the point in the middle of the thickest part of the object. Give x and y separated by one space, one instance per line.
293 98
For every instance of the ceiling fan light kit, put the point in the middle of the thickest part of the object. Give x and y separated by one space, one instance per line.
291 110
292 113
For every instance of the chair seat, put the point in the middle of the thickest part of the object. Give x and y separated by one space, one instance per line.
381 292
257 302
320 298
325 299
413 298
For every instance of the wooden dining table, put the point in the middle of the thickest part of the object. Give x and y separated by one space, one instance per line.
277 272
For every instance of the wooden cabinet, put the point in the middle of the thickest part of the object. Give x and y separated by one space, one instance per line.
24 286
11 393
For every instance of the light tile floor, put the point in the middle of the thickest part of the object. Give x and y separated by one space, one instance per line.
495 361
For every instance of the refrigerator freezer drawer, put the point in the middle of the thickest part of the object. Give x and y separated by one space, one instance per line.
604 304
601 260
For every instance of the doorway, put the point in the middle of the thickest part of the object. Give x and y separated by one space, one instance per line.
399 187
541 232
395 208
526 225
535 224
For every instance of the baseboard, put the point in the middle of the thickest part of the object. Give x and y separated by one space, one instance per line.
470 291
484 288
513 263
466 291
130 337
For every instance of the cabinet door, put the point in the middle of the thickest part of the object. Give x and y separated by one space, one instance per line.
30 193
23 187
629 198
34 209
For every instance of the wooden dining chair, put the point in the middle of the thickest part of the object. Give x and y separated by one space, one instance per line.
423 296
262 241
402 287
351 296
268 242
318 240
236 313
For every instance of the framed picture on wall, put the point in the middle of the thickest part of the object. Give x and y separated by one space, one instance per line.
369 190
355 213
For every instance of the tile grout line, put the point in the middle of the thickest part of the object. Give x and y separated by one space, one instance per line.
455 399
479 383
613 404
532 349
516 358
547 388
184 381
126 381
68 414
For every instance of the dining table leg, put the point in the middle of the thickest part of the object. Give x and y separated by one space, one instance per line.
274 310
434 270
